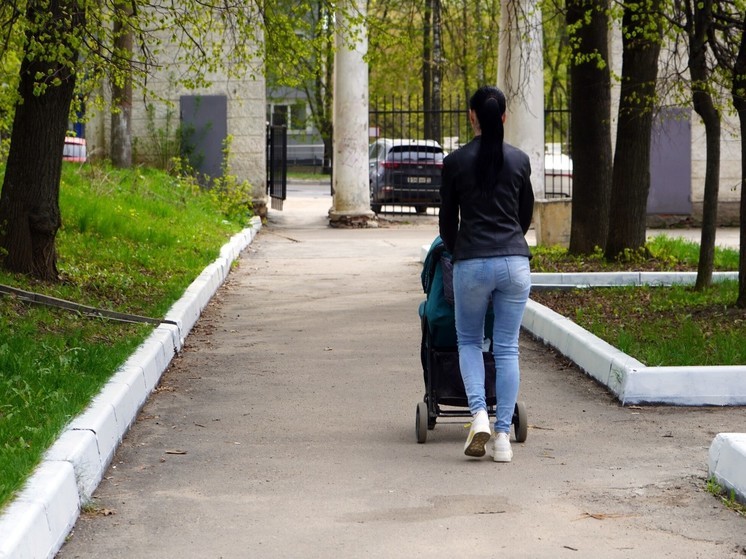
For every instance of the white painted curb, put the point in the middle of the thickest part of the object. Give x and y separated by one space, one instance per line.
36 523
630 380
727 462
588 279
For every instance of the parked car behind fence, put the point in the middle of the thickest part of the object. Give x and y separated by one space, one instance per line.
405 172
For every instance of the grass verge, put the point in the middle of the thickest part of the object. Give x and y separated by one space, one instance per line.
662 253
659 326
131 241
728 498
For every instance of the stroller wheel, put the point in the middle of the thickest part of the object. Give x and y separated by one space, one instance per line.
520 422
420 424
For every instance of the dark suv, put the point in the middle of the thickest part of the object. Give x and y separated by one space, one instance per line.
405 172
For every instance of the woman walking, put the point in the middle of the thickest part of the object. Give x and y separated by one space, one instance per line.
486 209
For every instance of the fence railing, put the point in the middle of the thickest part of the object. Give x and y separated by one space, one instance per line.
404 117
400 117
277 165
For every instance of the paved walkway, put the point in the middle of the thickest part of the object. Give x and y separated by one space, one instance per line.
286 429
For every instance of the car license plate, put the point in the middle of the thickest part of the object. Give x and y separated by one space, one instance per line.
419 180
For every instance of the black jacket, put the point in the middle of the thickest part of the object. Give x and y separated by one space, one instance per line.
477 225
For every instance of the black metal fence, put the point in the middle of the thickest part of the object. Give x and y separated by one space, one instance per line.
396 117
557 160
400 117
404 117
277 164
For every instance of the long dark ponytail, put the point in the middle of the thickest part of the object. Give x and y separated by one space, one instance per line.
488 103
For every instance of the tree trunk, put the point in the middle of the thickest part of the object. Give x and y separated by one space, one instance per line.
631 172
326 100
121 92
739 102
427 67
590 126
463 63
437 98
319 95
29 202
705 108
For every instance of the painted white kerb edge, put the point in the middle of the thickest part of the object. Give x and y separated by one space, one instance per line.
727 462
36 523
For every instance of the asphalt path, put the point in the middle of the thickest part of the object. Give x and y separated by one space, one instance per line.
285 429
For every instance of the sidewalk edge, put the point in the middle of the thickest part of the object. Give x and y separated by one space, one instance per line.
35 524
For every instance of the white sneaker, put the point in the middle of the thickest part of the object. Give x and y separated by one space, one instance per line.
479 434
501 451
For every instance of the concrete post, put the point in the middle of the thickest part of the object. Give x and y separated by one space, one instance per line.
350 182
520 74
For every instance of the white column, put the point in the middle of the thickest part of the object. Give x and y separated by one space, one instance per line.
350 182
520 74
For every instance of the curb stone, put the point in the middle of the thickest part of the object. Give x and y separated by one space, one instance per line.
35 524
727 462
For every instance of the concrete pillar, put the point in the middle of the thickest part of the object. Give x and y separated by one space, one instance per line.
350 182
520 74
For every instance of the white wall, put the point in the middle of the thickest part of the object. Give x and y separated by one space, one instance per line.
246 120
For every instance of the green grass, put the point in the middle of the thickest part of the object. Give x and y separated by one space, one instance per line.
660 326
131 241
663 326
315 174
661 253
728 498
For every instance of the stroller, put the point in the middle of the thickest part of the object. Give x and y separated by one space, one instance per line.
444 388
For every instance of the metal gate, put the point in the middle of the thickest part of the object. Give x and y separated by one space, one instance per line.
396 118
400 117
277 164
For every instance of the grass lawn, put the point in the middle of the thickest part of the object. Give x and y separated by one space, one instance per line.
659 326
131 241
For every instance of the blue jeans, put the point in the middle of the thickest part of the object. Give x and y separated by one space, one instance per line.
506 281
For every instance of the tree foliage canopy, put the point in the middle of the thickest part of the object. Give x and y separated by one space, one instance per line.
202 38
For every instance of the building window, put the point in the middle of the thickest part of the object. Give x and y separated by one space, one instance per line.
293 116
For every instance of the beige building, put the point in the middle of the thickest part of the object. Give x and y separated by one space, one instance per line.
227 107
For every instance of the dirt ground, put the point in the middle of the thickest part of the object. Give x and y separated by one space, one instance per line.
286 429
